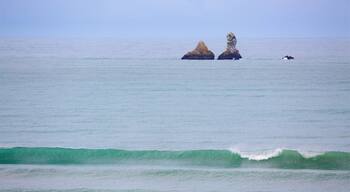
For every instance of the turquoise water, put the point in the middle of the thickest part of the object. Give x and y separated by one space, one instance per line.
284 159
111 115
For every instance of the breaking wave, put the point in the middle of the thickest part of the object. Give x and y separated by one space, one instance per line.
279 158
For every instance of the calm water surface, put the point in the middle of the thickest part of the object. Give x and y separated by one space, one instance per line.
273 115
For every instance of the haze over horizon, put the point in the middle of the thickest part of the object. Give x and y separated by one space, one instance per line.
174 19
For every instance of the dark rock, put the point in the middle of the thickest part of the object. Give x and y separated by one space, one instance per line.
201 52
288 57
230 55
231 52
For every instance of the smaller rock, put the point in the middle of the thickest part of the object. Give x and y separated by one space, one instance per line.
201 52
288 57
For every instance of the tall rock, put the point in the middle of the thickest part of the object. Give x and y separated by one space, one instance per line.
201 52
231 52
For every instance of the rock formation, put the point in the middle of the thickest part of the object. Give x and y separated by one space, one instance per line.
201 52
231 52
288 57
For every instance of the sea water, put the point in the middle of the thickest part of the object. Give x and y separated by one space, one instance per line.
129 115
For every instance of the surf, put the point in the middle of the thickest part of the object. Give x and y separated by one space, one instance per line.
279 158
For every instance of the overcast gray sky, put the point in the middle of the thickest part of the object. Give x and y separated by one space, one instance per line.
175 18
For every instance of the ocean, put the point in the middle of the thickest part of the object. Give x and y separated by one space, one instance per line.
129 115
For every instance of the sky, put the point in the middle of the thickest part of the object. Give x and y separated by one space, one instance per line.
174 18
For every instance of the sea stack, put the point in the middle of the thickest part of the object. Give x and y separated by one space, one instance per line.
231 52
201 52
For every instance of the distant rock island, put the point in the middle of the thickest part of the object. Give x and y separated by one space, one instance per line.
201 52
288 57
231 52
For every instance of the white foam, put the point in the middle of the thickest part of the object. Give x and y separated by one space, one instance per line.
267 154
258 155
310 154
